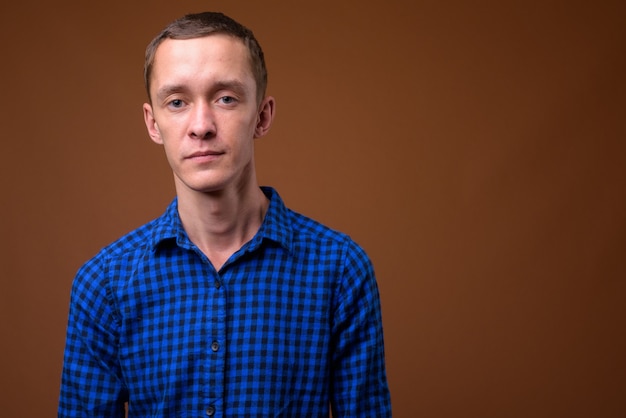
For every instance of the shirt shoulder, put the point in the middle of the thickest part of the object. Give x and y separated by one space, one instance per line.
117 258
328 242
306 228
139 239
304 235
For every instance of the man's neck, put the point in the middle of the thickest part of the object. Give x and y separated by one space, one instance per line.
219 224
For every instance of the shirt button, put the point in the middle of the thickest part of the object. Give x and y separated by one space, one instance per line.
217 284
215 346
210 411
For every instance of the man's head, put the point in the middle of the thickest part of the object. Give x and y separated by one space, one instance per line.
206 105
205 24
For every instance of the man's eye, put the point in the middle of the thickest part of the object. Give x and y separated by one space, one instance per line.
227 100
176 103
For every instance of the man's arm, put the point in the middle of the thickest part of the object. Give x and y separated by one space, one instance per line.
359 382
91 384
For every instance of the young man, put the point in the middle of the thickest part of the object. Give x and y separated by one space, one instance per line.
229 304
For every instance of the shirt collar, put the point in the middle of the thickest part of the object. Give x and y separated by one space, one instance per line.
276 225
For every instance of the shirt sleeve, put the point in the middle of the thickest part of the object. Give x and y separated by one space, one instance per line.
359 382
91 382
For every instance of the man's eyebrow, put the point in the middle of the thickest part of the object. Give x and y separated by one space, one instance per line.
234 85
168 89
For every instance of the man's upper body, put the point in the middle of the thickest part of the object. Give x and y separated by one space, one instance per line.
229 304
289 325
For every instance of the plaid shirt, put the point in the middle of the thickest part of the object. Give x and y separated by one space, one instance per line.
289 325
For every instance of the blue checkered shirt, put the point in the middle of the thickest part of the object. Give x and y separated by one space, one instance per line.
290 325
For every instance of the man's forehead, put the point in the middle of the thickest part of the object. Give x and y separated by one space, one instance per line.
202 52
182 62
206 44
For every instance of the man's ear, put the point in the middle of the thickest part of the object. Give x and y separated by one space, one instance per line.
151 125
267 110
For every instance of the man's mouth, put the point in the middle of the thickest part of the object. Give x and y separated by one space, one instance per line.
205 155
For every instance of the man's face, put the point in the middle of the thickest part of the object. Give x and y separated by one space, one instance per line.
205 112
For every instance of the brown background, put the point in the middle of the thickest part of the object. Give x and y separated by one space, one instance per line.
476 150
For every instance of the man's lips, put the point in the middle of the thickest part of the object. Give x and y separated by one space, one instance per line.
204 155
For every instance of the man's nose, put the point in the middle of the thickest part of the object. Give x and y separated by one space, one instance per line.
202 122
